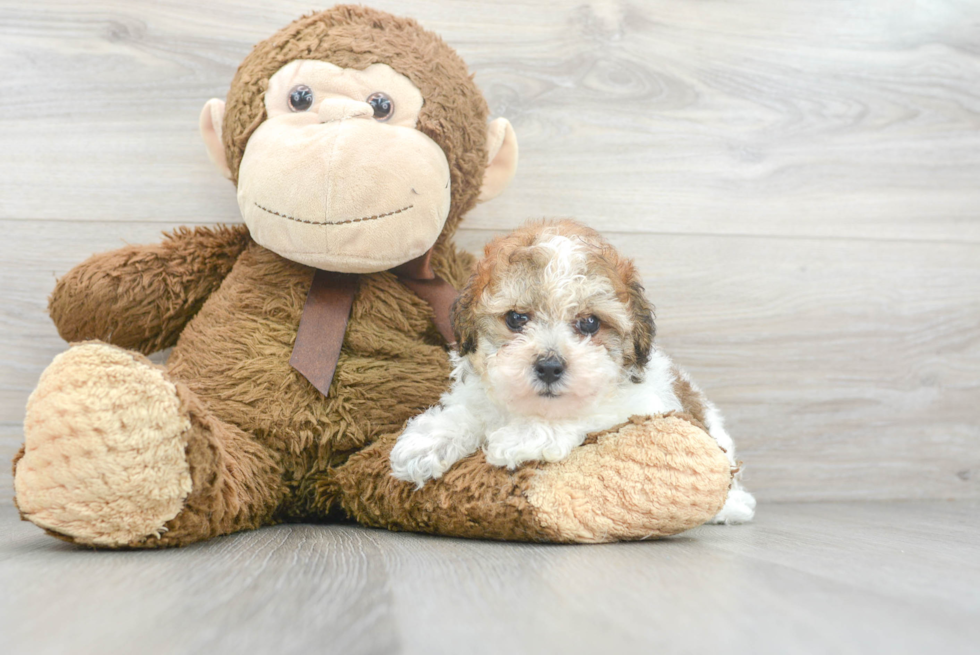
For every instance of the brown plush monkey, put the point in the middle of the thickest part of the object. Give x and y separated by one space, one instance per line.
357 141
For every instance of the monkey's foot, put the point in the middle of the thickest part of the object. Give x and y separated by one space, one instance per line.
104 448
650 477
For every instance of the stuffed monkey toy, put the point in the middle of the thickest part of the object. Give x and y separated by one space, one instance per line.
304 339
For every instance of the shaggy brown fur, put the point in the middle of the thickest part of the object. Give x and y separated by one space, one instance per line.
141 297
471 500
264 445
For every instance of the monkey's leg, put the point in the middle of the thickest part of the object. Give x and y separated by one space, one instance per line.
650 477
118 455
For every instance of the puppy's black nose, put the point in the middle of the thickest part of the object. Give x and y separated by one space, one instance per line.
549 369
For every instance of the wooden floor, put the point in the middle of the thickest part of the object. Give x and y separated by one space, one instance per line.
900 577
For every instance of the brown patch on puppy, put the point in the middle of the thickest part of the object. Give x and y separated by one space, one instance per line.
463 320
644 328
692 400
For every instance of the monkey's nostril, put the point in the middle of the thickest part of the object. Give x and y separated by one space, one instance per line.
549 369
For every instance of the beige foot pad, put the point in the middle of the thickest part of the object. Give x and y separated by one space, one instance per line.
104 448
652 477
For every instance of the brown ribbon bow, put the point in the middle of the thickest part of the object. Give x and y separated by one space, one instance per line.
327 309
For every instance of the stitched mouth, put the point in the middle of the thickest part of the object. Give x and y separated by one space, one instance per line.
352 220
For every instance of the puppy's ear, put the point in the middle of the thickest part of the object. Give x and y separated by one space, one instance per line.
463 320
644 329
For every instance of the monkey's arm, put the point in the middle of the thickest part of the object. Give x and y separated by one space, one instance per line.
141 297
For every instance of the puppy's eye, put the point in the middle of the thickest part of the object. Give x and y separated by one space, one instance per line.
515 321
588 325
300 97
383 106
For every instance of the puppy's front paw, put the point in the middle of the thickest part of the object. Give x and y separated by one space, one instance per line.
418 469
503 457
417 458
514 445
509 446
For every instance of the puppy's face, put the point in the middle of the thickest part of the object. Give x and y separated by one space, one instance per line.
553 320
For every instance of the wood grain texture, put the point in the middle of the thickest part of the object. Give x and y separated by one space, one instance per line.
812 578
798 182
796 118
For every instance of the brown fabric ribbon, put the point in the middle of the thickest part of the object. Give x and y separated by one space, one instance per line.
327 310
418 276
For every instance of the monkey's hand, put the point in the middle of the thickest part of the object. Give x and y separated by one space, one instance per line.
141 297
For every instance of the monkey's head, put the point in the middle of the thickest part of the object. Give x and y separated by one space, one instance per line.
356 139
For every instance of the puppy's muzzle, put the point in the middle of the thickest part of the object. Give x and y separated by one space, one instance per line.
549 369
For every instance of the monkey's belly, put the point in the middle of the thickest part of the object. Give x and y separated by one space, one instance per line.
235 355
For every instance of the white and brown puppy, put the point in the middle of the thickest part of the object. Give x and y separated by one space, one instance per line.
555 341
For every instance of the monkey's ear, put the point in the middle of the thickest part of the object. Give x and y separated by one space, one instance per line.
211 118
501 159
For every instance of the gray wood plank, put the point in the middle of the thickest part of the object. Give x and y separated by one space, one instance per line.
11 438
806 578
846 369
797 118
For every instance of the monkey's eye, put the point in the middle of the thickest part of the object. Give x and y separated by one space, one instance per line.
588 325
383 106
300 97
515 322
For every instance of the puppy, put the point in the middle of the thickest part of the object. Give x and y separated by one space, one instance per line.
555 341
